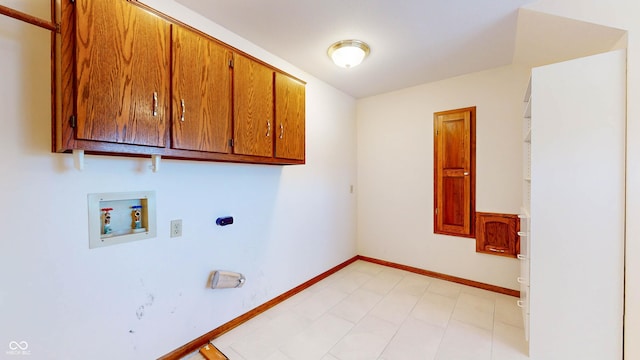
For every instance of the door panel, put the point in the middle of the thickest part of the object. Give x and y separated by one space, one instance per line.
454 172
201 93
253 107
290 118
497 234
122 73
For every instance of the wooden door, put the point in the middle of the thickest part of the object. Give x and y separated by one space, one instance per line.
497 234
253 107
290 118
201 80
454 172
122 73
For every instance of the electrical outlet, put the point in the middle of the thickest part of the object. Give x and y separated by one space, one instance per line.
176 228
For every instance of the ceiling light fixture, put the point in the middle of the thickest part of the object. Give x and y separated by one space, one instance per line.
348 53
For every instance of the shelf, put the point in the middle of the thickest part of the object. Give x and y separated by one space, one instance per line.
527 110
527 94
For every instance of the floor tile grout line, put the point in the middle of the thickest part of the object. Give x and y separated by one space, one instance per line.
399 326
493 334
405 318
409 288
364 316
447 327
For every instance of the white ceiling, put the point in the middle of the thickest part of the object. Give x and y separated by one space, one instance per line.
412 41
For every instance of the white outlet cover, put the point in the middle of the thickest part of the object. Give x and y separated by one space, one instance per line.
176 228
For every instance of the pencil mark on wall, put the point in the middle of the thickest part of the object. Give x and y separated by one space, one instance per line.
141 310
150 299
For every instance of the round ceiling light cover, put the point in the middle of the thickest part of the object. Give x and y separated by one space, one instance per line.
348 53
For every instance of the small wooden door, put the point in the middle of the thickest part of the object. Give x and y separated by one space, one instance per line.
454 172
290 118
201 118
497 234
253 125
122 73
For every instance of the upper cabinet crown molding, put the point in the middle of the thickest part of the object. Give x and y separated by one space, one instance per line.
133 81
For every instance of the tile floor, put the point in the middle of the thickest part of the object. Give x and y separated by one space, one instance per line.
369 311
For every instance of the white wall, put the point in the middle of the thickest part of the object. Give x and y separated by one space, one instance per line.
141 300
623 14
395 171
577 190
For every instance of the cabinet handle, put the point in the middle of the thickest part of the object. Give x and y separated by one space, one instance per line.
496 250
182 105
281 130
521 257
521 280
155 103
268 128
522 233
520 303
466 173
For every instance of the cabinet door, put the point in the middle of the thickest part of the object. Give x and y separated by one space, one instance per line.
497 234
290 118
122 73
201 93
253 107
454 170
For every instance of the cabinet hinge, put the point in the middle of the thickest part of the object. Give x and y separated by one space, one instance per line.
437 132
230 142
72 121
231 63
436 211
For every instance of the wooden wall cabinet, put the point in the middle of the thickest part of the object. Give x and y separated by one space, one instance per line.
290 121
135 82
122 74
253 107
497 234
201 98
454 172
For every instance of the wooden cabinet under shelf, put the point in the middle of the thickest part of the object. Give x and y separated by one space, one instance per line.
135 82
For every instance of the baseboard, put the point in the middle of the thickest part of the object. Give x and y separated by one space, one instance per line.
476 284
196 344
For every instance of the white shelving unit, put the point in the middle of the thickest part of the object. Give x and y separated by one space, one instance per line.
572 216
525 212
